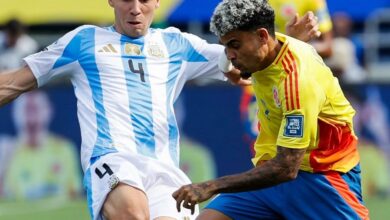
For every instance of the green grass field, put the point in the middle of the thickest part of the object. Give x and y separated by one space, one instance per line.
44 210
379 208
77 210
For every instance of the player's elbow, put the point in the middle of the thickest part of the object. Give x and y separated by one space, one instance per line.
13 84
6 96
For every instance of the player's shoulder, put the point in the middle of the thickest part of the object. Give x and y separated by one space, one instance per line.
176 32
170 32
87 28
292 42
296 47
171 29
83 33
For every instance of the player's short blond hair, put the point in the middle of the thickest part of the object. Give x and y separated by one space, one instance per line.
242 15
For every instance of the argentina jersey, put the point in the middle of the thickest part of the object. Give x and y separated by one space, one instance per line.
125 87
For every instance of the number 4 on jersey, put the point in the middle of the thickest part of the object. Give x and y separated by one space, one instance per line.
107 171
140 69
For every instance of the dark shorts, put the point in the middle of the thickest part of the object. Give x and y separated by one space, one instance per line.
331 195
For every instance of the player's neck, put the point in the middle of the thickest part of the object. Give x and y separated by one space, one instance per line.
274 48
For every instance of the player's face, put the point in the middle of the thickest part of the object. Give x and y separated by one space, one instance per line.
246 49
133 17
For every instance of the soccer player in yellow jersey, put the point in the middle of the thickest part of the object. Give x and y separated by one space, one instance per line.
306 162
287 14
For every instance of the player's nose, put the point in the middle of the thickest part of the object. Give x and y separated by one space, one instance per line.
135 8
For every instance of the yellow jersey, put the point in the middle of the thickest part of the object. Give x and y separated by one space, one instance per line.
301 105
286 9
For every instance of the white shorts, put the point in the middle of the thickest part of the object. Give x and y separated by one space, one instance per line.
158 181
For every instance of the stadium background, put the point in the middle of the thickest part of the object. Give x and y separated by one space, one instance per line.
212 114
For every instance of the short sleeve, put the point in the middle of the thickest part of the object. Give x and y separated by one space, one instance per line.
200 58
54 60
203 58
301 104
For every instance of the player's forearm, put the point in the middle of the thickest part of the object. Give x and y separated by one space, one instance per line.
324 45
269 174
7 91
284 167
15 83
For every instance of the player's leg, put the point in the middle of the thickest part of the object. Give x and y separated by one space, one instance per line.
166 180
127 182
115 188
125 202
331 195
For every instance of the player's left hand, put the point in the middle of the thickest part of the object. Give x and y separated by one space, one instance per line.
192 194
304 28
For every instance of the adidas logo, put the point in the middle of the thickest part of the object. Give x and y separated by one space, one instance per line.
108 49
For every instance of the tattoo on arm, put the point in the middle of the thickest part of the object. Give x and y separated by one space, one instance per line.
283 167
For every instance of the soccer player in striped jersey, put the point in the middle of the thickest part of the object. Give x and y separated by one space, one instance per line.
126 78
306 161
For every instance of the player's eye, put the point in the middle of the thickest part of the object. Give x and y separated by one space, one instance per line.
234 45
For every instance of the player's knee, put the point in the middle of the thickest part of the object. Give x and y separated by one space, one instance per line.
126 214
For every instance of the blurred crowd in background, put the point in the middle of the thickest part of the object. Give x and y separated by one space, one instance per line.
39 158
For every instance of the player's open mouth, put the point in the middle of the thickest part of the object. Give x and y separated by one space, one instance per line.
134 22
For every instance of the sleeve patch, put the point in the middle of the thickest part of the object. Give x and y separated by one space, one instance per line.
294 126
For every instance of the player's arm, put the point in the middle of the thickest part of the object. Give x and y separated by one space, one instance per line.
323 44
282 168
13 84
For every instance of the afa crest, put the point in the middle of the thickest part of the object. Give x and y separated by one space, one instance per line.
132 49
154 50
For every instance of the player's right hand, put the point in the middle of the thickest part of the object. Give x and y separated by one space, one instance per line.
192 194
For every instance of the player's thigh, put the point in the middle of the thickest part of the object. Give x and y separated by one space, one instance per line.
251 205
210 214
126 202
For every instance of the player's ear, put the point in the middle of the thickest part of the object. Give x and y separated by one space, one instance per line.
157 3
111 3
263 35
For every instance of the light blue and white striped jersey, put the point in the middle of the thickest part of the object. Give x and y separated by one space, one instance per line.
126 87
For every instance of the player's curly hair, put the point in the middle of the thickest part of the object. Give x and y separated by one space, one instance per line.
243 15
